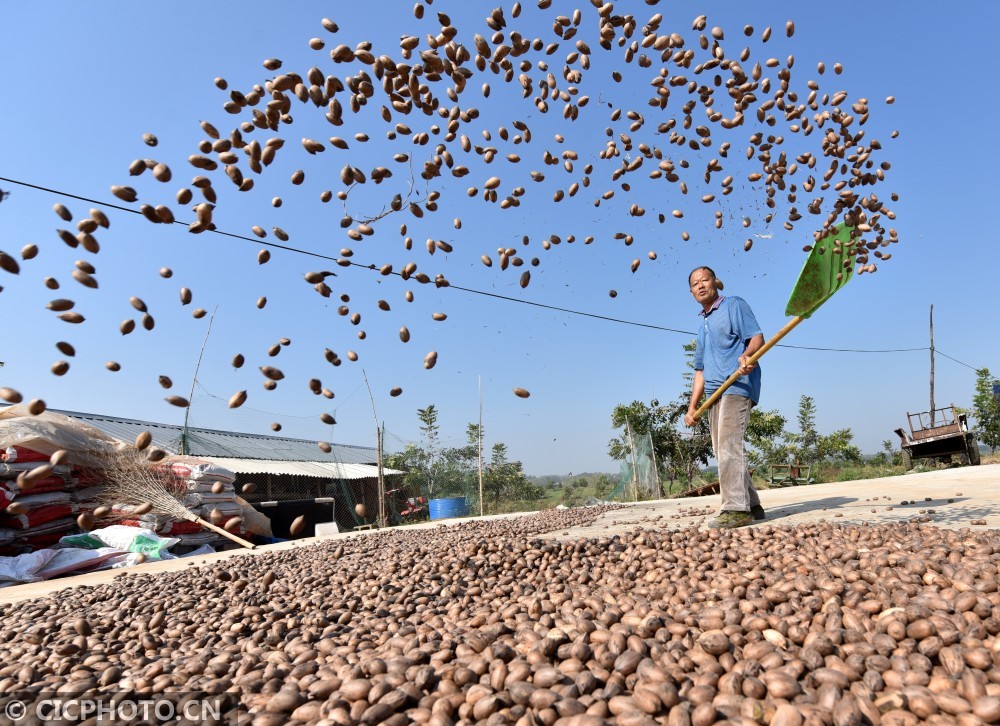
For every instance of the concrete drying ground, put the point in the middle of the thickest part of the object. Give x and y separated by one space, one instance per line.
956 497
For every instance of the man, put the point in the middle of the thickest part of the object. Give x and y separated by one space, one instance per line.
728 336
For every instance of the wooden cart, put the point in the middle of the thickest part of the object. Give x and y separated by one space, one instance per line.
938 434
789 475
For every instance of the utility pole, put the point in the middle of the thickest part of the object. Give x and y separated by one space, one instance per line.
480 446
381 478
932 365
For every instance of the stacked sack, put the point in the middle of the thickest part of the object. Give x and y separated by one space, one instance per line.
205 489
37 504
90 488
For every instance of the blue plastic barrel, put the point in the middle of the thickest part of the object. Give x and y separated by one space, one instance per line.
448 508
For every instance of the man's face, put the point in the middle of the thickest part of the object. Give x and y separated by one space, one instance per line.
703 287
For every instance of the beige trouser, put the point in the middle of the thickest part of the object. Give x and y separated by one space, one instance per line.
728 421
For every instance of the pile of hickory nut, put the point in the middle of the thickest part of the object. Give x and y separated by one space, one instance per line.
486 622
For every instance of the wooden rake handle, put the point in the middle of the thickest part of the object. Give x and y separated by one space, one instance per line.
752 359
225 533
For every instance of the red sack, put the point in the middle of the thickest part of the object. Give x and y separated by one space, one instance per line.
48 484
19 453
36 517
7 494
41 541
43 536
179 526
59 526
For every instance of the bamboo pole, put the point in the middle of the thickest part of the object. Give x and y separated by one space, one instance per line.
225 533
381 475
381 480
194 381
378 445
656 471
635 470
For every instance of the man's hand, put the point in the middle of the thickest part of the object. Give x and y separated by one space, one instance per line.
753 345
689 419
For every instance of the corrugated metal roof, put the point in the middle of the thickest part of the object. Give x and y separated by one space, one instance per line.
232 444
321 469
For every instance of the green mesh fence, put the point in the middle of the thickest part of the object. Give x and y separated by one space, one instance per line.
639 478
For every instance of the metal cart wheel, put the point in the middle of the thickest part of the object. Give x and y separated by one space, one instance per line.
973 446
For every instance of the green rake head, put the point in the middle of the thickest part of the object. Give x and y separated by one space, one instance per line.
827 269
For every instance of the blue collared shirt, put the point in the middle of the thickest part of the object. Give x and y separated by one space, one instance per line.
726 329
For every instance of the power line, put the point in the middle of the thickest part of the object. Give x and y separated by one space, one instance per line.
938 350
348 263
853 350
881 350
288 248
573 312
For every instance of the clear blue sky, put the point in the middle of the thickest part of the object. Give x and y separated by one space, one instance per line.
85 81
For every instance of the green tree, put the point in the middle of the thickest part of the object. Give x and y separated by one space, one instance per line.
574 492
413 460
457 467
838 447
473 431
431 469
888 454
605 485
679 455
688 375
806 441
504 482
429 428
773 445
643 419
986 409
454 471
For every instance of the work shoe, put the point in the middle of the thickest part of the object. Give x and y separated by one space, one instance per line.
758 512
731 520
